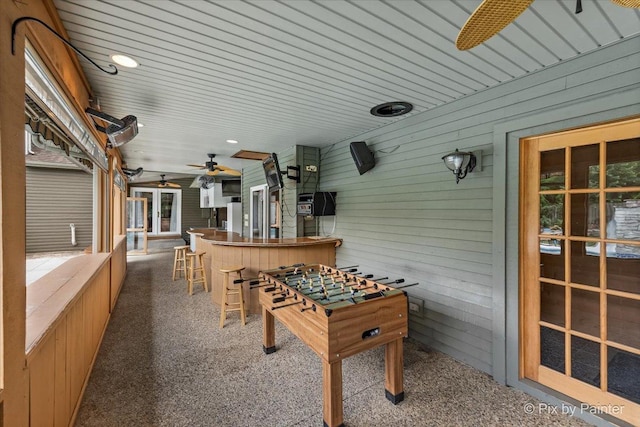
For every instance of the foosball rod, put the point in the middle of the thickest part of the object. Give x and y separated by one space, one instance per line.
351 298
391 283
403 286
284 267
286 305
253 281
347 267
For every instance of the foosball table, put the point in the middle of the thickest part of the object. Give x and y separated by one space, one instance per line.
337 313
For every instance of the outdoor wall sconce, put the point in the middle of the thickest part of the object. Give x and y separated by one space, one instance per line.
460 163
119 132
14 26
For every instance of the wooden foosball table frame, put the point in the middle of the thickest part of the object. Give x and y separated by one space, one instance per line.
359 314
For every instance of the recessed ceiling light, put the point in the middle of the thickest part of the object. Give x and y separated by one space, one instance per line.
232 141
391 109
123 60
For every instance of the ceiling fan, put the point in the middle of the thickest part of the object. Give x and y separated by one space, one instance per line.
492 16
163 183
213 168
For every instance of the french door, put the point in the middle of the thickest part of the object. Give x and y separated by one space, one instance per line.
136 225
259 212
164 209
580 265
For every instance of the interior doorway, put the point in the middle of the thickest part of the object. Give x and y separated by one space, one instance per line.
580 264
259 212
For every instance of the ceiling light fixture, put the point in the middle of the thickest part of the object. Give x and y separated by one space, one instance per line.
460 163
124 60
232 141
391 109
14 27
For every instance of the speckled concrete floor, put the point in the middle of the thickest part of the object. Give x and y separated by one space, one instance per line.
164 362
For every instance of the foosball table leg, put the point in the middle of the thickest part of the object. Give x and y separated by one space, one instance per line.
393 371
268 332
332 394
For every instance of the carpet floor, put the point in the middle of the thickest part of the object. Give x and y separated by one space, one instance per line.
165 362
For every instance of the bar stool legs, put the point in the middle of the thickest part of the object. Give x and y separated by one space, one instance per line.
227 290
180 261
195 271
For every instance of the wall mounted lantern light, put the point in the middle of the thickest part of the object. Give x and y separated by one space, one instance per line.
460 163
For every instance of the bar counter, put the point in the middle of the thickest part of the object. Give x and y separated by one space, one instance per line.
226 249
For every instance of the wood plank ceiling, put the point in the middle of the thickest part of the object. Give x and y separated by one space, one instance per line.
271 74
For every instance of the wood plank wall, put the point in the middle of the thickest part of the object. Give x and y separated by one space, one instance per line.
289 200
192 214
408 218
59 366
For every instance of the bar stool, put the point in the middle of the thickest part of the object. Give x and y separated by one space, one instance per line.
180 261
195 271
228 290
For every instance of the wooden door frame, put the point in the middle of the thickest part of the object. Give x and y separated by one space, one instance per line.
529 300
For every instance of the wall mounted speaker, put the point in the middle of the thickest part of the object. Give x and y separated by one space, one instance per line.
362 156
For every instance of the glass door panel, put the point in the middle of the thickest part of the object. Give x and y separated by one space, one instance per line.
580 303
169 212
150 196
259 212
136 224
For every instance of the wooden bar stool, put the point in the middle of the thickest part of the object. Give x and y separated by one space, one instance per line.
180 261
227 290
195 271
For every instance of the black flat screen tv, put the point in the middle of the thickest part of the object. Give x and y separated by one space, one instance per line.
362 156
272 172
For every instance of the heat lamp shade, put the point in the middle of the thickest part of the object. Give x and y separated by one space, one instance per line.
120 135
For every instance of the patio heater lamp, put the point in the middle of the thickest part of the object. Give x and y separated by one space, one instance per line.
460 163
119 131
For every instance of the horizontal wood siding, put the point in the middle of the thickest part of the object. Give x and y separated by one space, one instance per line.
192 214
308 156
48 218
252 175
289 227
408 218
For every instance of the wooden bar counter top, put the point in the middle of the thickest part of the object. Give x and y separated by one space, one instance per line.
255 254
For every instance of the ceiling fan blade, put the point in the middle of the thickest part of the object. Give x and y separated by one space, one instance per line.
491 17
627 3
197 166
173 185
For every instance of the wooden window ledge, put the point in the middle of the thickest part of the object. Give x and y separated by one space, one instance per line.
49 297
